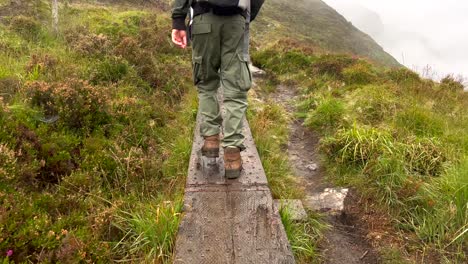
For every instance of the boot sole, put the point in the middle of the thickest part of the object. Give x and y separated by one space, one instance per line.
210 153
233 174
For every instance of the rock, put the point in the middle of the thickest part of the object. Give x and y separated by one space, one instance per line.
312 167
330 200
295 208
256 72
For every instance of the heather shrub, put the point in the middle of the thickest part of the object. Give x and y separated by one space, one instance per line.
87 43
79 105
129 49
59 153
361 72
26 27
110 69
284 57
42 64
8 88
153 36
450 83
403 76
333 64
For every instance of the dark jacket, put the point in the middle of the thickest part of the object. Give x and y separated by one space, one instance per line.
181 9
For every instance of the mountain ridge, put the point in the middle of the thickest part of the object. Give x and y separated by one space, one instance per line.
318 24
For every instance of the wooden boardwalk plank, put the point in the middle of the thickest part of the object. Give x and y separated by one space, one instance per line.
230 221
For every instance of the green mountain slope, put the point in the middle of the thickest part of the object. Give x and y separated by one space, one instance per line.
315 22
96 126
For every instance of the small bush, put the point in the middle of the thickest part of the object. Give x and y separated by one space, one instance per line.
359 73
8 88
403 76
328 115
110 69
79 105
333 64
86 43
154 36
42 64
129 49
60 154
26 27
289 62
450 83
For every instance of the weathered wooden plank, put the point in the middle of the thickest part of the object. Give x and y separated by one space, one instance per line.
231 227
230 221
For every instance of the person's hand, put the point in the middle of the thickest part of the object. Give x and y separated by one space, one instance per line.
179 37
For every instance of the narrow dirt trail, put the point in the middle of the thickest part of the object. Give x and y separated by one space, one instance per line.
346 241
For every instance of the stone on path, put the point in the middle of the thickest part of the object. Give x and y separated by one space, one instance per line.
295 209
312 167
330 200
256 72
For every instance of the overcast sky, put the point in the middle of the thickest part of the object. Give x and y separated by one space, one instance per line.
416 32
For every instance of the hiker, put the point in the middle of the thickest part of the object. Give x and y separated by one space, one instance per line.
220 43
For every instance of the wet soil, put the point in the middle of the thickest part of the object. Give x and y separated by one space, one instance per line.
347 240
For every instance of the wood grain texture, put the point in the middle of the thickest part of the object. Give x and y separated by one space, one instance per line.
230 221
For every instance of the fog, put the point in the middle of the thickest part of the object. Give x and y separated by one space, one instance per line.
429 36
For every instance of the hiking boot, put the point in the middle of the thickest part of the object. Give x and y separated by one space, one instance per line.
210 148
232 162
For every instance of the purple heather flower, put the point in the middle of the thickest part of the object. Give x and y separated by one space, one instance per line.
9 253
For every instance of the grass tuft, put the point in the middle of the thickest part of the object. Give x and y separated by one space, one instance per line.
304 235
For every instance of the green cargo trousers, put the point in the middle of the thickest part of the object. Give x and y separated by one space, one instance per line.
218 60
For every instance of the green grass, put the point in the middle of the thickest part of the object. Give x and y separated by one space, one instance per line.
304 236
269 124
394 136
95 135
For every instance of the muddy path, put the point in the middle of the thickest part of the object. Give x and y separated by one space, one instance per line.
346 241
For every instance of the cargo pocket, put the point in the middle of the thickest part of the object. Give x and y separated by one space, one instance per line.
245 76
199 28
200 36
198 74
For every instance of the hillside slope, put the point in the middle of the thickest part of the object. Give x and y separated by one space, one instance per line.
316 23
96 129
